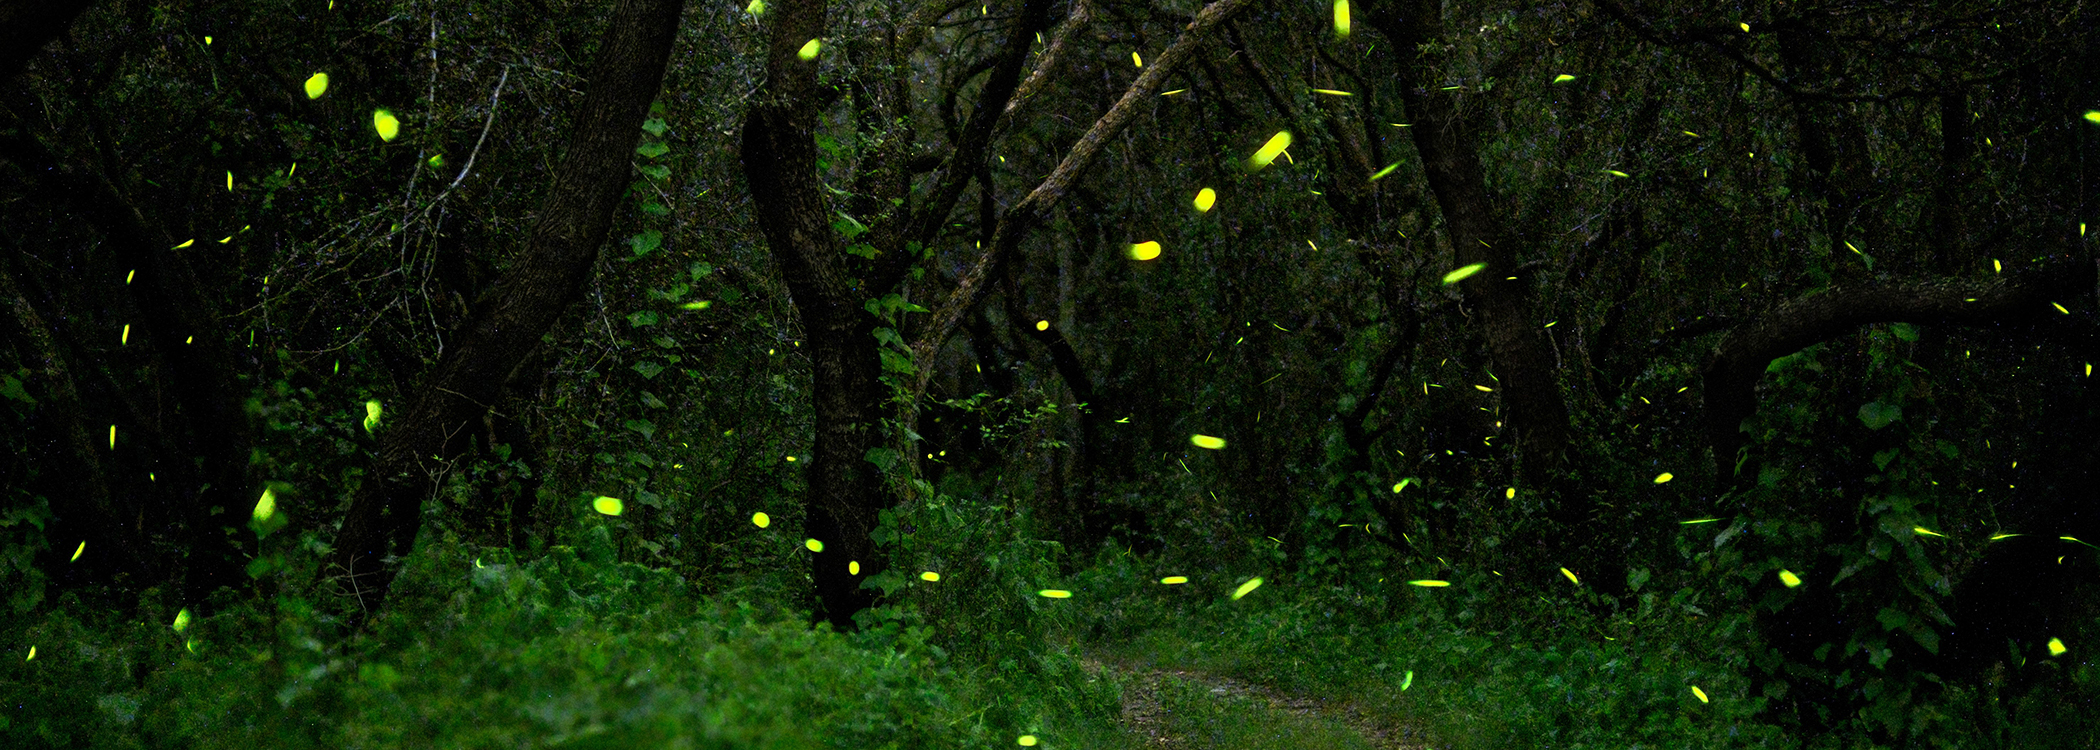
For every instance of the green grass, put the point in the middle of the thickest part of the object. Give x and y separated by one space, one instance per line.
562 651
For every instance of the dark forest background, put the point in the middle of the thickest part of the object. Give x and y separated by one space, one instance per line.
806 374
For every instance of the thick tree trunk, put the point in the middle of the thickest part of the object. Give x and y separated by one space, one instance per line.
846 492
386 513
1537 417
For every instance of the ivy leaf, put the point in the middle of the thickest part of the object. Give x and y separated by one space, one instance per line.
655 125
652 149
1877 415
655 171
646 242
648 369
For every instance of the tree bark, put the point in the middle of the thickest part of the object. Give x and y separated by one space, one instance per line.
1731 375
1537 417
386 513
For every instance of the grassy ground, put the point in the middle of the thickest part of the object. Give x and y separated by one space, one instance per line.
574 649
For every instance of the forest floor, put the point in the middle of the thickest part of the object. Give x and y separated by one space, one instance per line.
1258 715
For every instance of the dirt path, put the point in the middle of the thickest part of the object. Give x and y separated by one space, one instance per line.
1145 715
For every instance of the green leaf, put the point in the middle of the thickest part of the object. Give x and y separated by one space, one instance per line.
883 457
655 171
896 361
643 318
12 389
643 426
848 226
656 208
1905 331
655 125
1877 415
648 369
652 149
646 242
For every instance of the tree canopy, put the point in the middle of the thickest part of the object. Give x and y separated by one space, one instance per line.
1784 309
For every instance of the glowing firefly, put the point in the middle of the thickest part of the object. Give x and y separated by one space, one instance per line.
1269 151
1245 588
389 127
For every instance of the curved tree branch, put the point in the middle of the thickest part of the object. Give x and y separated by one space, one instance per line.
1731 374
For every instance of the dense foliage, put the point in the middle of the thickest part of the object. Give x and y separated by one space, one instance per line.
1765 418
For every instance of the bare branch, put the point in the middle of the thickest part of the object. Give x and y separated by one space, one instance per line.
1035 208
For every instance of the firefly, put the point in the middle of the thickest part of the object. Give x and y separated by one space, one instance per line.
1206 198
389 127
929 576
1429 584
1341 18
1206 441
809 51
761 520
1174 580
1787 577
1463 272
1563 78
316 85
1245 588
1663 477
1269 151
1146 250
610 506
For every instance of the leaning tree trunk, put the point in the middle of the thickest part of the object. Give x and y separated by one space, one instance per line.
384 516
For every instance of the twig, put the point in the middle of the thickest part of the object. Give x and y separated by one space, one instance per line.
484 131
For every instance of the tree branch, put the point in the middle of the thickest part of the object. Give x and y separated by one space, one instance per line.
1032 210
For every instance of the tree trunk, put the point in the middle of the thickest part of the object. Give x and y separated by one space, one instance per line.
386 513
1537 417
